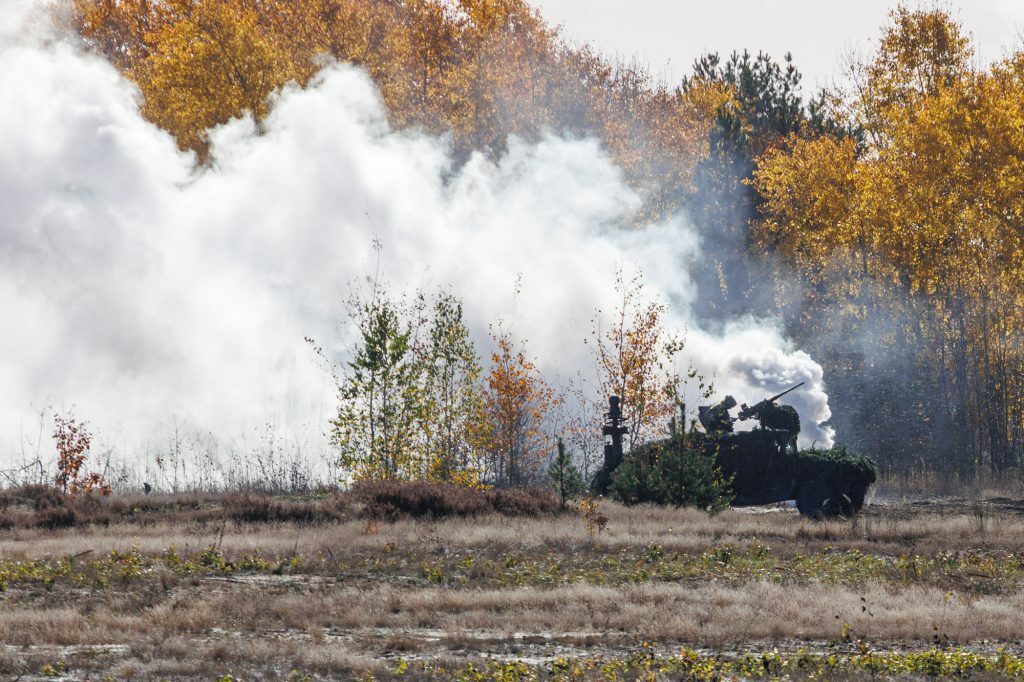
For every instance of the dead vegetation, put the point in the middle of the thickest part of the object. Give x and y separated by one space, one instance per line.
181 588
40 506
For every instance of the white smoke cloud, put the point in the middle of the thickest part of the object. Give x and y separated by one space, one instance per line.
147 293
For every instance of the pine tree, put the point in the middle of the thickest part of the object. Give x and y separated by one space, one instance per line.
675 471
637 479
565 477
689 476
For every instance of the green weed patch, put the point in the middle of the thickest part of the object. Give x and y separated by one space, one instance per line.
645 664
968 571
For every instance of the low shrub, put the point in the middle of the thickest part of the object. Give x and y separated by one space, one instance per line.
675 471
524 501
43 506
46 507
39 496
57 516
418 499
422 499
248 508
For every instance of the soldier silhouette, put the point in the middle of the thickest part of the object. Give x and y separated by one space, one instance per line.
715 418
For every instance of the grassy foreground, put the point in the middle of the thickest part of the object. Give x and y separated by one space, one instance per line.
188 588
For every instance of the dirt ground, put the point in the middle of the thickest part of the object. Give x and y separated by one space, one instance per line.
187 599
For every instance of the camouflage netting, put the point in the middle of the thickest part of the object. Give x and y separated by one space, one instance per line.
765 470
837 462
782 418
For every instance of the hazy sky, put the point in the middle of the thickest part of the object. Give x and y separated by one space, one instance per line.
669 34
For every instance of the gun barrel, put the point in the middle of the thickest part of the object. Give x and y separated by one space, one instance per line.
753 410
788 390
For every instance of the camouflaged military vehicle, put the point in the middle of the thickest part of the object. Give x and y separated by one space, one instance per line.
767 467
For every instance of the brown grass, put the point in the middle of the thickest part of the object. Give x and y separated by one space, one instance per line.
882 530
249 624
38 506
331 624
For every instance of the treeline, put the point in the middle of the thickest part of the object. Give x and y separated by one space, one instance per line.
479 70
884 224
908 243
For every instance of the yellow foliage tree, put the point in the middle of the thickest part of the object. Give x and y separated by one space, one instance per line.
212 63
478 70
518 404
927 220
635 356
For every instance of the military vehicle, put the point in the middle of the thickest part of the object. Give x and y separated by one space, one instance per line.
764 463
767 467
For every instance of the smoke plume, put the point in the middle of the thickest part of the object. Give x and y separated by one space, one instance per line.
149 293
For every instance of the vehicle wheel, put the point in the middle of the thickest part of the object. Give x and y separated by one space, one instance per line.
819 500
846 507
857 495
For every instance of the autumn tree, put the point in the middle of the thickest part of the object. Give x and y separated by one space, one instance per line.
73 443
635 356
476 70
755 103
121 30
517 403
214 62
920 54
911 248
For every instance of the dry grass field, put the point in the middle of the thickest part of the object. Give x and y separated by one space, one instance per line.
185 588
